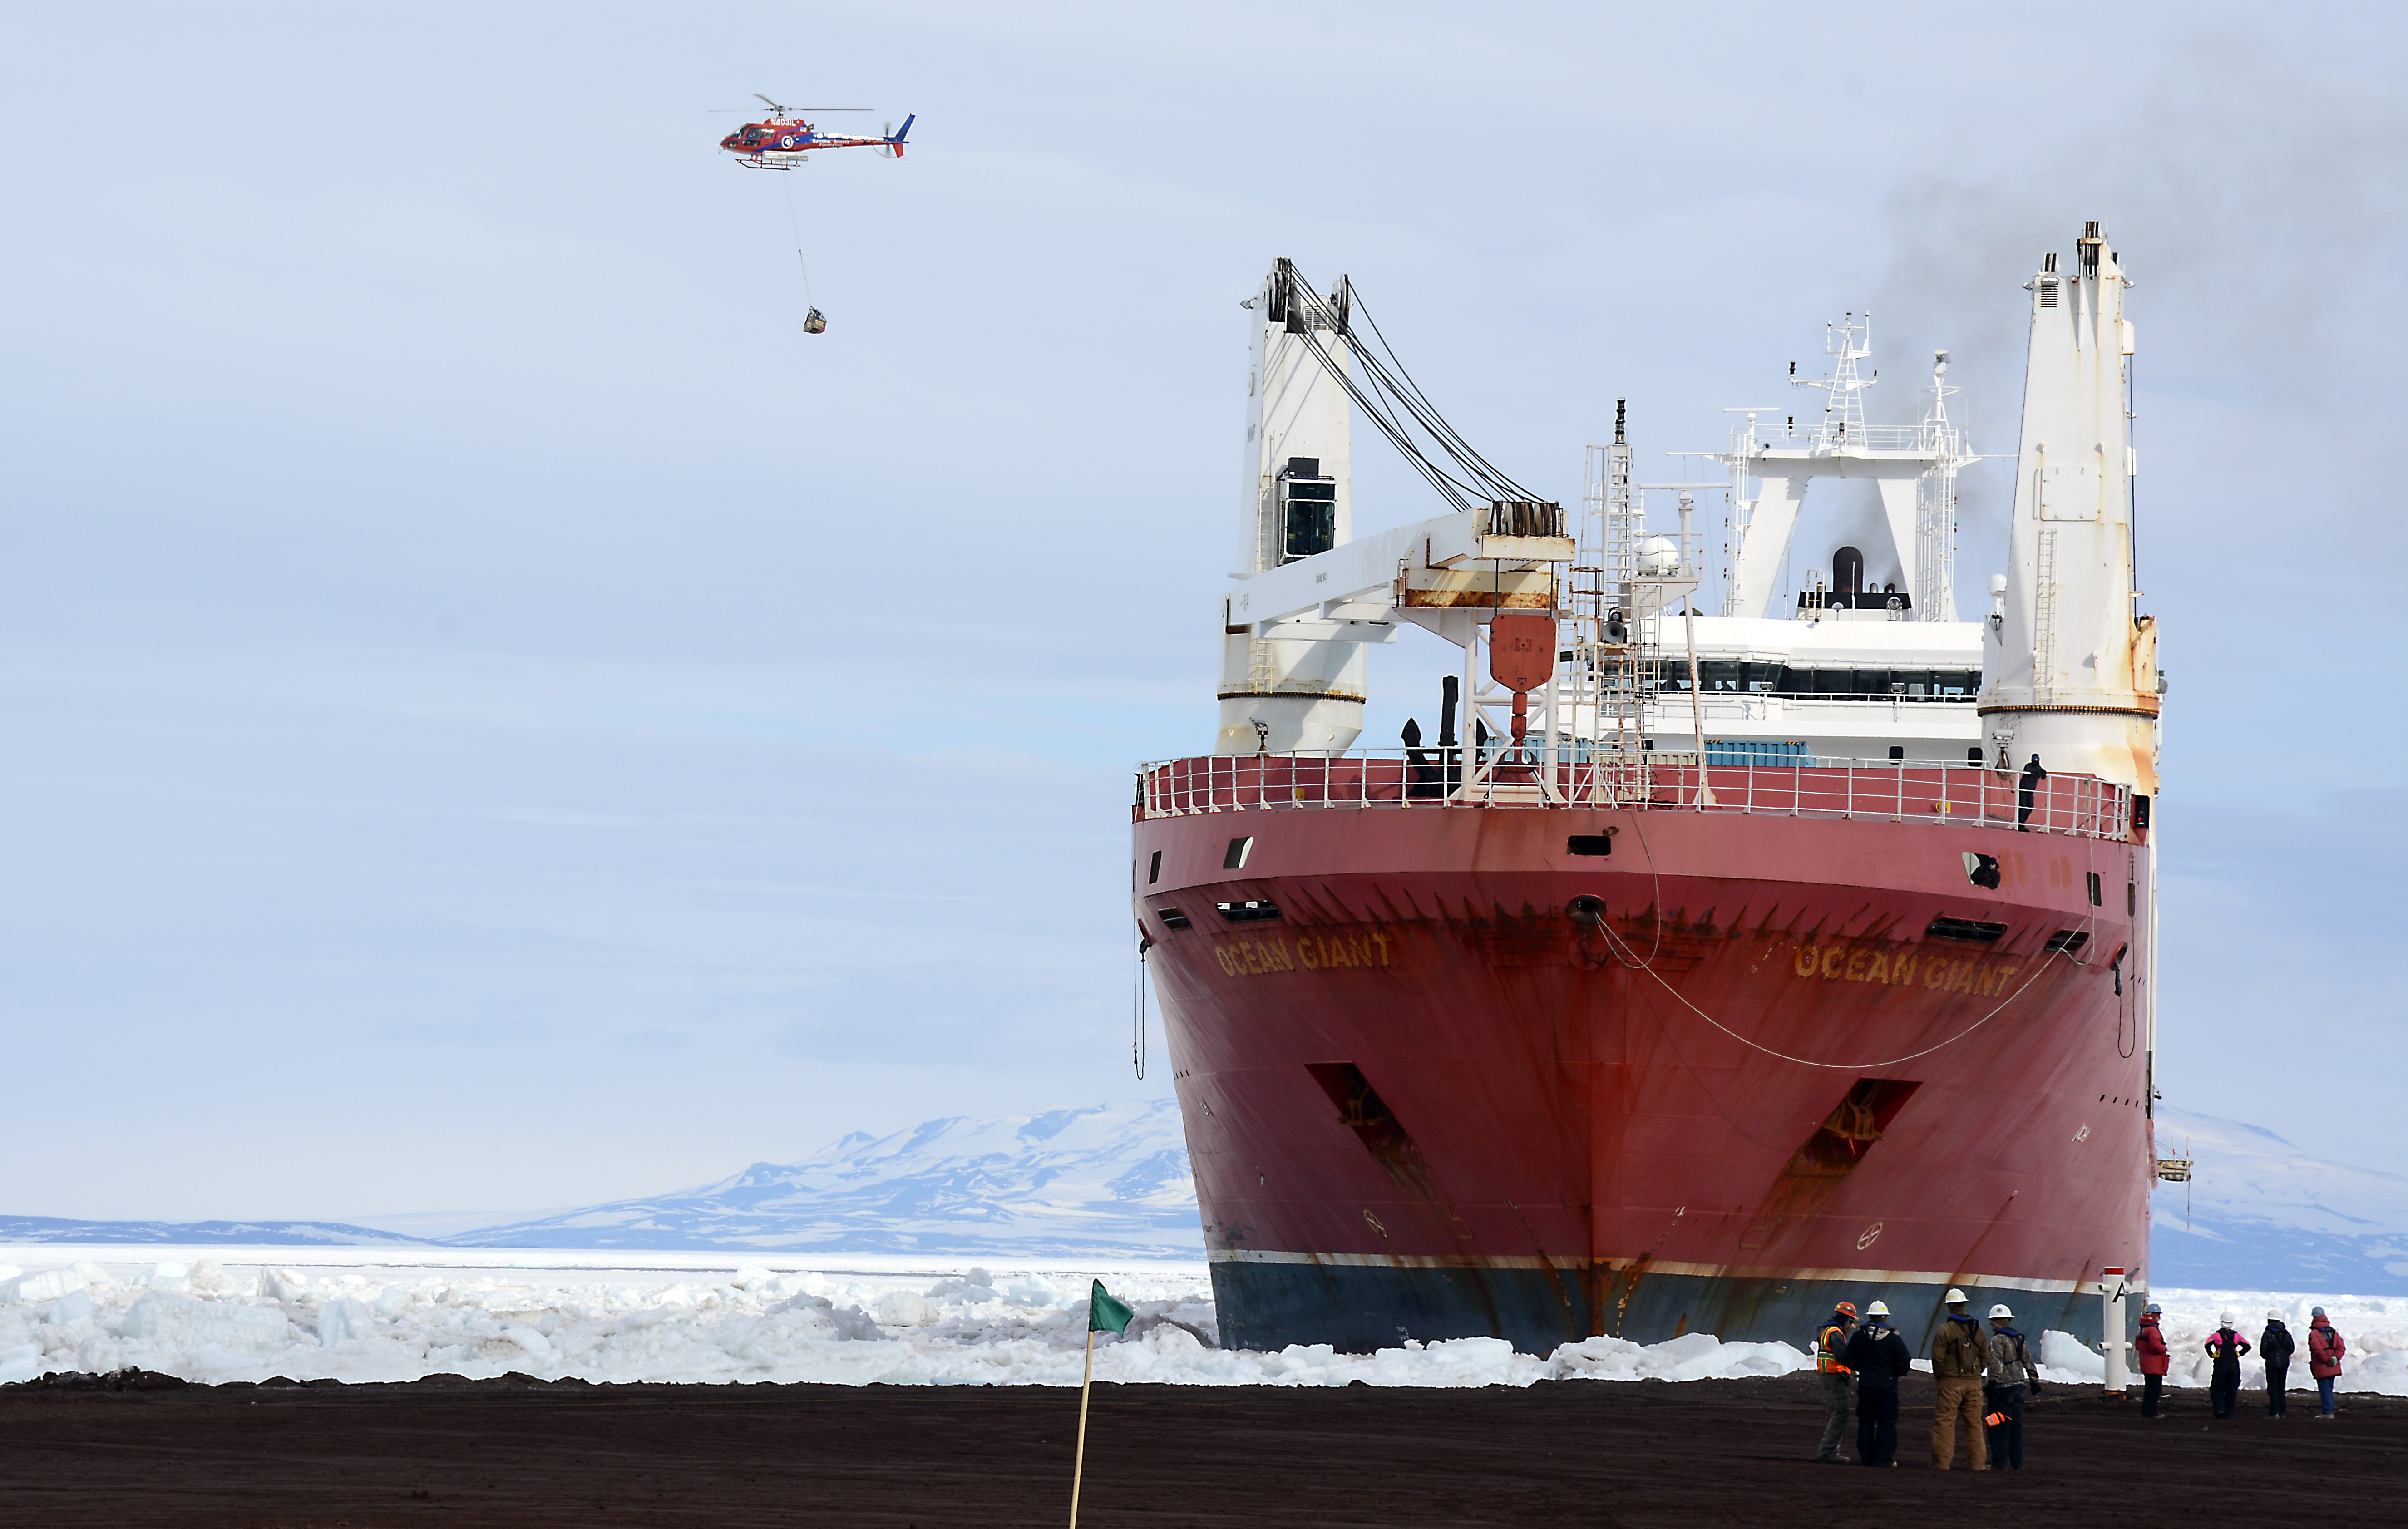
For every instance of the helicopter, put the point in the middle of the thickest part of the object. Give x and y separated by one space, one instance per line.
785 139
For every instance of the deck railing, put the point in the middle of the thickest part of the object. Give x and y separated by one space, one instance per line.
1435 779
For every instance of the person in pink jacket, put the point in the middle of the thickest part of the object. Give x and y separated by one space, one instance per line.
2150 1344
2325 1350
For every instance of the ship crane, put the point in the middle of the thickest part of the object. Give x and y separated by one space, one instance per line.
1311 593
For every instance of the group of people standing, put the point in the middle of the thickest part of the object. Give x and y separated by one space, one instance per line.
2226 1349
1984 1377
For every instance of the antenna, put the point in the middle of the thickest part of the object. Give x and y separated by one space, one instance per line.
1847 342
1935 503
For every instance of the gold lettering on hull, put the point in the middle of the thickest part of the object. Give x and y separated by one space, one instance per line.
1902 966
1317 951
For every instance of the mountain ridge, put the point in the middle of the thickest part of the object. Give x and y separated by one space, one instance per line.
1114 1179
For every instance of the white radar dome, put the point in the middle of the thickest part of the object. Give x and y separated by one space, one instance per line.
1659 557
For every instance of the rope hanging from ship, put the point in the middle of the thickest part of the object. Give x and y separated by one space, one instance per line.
1656 905
1136 974
1841 1066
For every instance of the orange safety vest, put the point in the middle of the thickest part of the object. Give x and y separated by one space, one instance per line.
1826 1350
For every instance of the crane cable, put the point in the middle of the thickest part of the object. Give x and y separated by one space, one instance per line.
795 222
1396 404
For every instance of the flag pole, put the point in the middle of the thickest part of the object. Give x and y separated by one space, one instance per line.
1079 1467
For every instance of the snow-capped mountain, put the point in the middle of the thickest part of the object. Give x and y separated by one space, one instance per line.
1112 1180
1108 1178
2262 1215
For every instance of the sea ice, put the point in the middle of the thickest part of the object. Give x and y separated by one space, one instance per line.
50 1284
901 1321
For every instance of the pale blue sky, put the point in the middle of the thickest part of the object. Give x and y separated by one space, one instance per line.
495 716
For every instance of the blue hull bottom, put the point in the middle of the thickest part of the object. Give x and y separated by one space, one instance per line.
1357 1309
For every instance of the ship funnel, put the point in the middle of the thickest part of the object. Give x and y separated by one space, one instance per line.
2070 667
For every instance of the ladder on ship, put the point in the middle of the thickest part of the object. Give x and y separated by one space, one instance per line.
2045 622
1615 666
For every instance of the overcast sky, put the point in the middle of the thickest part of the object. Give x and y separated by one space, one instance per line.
495 717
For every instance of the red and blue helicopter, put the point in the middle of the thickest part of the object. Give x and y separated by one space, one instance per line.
784 140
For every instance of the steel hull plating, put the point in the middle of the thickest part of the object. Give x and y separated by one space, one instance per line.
1466 1083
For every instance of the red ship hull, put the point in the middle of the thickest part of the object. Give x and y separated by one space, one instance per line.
1464 1081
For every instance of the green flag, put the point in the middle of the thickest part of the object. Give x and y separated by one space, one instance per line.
1106 1314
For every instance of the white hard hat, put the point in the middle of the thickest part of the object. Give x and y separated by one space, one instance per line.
1878 1308
2001 1311
2227 1319
2273 1316
1954 1297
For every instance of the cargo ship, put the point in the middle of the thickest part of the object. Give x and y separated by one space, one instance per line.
1700 969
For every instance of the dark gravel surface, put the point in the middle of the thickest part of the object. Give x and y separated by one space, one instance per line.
142 1451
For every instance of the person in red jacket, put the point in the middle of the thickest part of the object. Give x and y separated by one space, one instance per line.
2150 1344
2325 1348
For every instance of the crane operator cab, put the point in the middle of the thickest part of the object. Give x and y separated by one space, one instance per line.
1308 505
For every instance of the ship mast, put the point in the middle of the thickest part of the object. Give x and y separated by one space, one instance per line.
2071 668
1610 662
1935 504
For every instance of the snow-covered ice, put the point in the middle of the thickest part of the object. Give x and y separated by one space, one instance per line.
860 1321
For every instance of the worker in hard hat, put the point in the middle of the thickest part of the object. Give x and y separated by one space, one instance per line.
1879 1357
2011 1366
2275 1347
1829 1339
2225 1349
2155 1358
1960 1356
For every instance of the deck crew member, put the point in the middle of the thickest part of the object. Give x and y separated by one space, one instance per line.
1878 1356
1959 1357
2010 1366
1829 1340
2225 1348
2025 786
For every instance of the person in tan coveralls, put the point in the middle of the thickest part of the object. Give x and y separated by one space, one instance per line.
1960 1355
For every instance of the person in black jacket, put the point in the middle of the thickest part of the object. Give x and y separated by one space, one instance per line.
2225 1347
2275 1347
2024 787
1879 1356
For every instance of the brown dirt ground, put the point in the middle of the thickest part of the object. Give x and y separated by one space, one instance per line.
516 1451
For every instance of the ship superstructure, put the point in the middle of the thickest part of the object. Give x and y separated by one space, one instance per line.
1701 969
